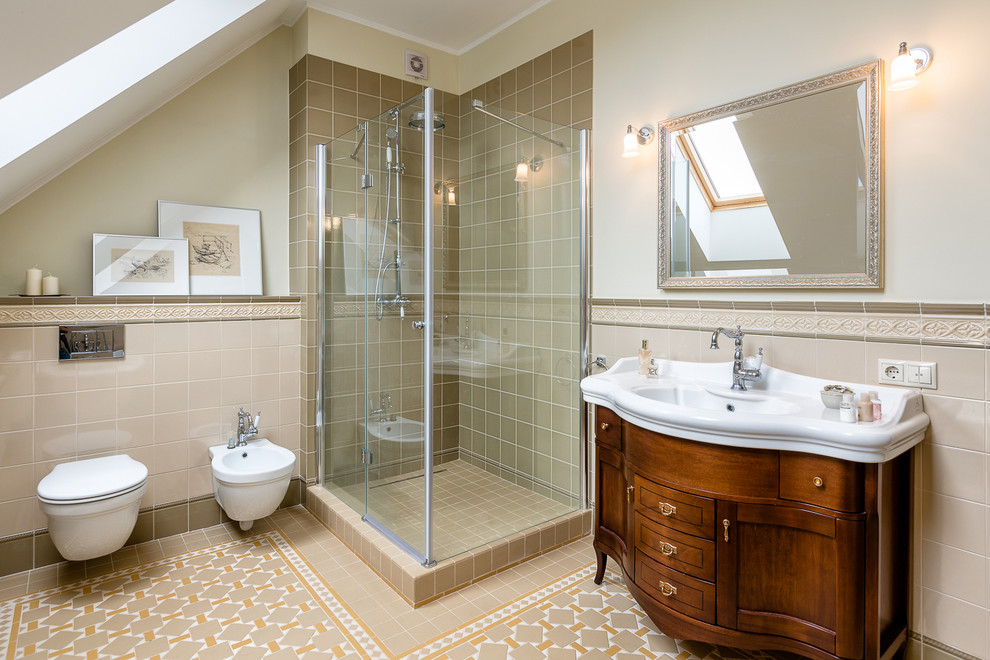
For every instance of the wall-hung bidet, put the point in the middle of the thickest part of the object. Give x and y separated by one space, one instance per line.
250 480
92 505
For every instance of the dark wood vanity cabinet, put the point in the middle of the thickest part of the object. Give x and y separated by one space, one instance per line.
756 548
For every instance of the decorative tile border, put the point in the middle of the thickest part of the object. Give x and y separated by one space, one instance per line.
952 325
18 311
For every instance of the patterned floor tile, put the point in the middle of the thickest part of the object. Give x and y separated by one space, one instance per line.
257 597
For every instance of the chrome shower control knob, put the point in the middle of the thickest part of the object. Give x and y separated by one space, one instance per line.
418 325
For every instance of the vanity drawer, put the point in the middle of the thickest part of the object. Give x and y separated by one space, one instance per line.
608 428
680 592
684 512
683 552
829 482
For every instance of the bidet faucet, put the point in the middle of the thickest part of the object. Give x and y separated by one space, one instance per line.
739 374
246 428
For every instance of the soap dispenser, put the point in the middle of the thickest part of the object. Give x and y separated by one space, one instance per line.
645 359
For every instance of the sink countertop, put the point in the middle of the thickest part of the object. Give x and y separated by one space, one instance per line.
783 411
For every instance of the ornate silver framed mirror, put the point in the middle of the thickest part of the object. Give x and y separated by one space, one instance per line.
782 189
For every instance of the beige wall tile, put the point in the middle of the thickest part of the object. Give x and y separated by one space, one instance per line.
53 409
956 422
16 482
97 374
842 361
17 516
135 370
139 338
16 344
235 334
955 472
16 379
16 447
45 343
954 572
204 336
171 397
795 354
171 337
96 438
172 367
54 443
205 364
51 377
135 432
137 401
961 371
955 622
96 405
951 521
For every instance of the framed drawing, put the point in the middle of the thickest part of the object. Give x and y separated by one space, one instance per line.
140 266
224 246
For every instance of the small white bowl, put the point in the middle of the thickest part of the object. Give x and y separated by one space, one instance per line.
831 399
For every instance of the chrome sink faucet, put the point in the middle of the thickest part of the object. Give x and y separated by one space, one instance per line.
246 428
739 374
384 405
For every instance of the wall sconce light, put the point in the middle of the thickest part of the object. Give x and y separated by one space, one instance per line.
634 140
907 65
524 167
446 190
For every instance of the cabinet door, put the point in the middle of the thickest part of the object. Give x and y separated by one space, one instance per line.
792 572
612 505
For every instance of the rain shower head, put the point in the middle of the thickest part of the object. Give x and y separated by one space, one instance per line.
417 121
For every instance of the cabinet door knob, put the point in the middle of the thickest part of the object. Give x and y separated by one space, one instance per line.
603 426
668 549
667 509
818 481
725 526
667 589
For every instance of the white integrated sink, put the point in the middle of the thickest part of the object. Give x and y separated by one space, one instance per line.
694 400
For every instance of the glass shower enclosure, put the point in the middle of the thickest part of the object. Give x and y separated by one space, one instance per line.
453 295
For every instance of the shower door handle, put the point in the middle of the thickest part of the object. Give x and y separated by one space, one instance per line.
418 325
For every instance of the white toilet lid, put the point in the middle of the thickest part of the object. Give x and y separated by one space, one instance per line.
92 478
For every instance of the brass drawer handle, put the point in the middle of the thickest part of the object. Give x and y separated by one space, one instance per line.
667 589
667 509
725 525
668 549
629 493
603 426
818 481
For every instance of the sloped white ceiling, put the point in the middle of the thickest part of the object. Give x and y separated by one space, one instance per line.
38 36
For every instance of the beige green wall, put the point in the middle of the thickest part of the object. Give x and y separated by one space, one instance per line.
224 142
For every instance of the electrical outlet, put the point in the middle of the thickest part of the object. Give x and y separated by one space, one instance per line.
912 374
891 371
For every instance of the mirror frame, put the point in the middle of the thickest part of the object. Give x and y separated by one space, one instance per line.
872 74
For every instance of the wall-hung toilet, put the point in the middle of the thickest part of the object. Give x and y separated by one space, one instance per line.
92 505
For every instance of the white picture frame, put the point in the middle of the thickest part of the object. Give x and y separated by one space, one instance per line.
224 246
140 266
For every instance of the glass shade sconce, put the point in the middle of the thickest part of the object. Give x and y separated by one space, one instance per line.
633 140
907 65
446 191
524 167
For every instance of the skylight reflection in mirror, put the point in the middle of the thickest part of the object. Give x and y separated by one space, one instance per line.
723 160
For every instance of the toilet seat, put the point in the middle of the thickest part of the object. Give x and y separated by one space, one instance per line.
92 480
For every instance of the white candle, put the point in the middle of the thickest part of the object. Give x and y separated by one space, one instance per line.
49 285
32 284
